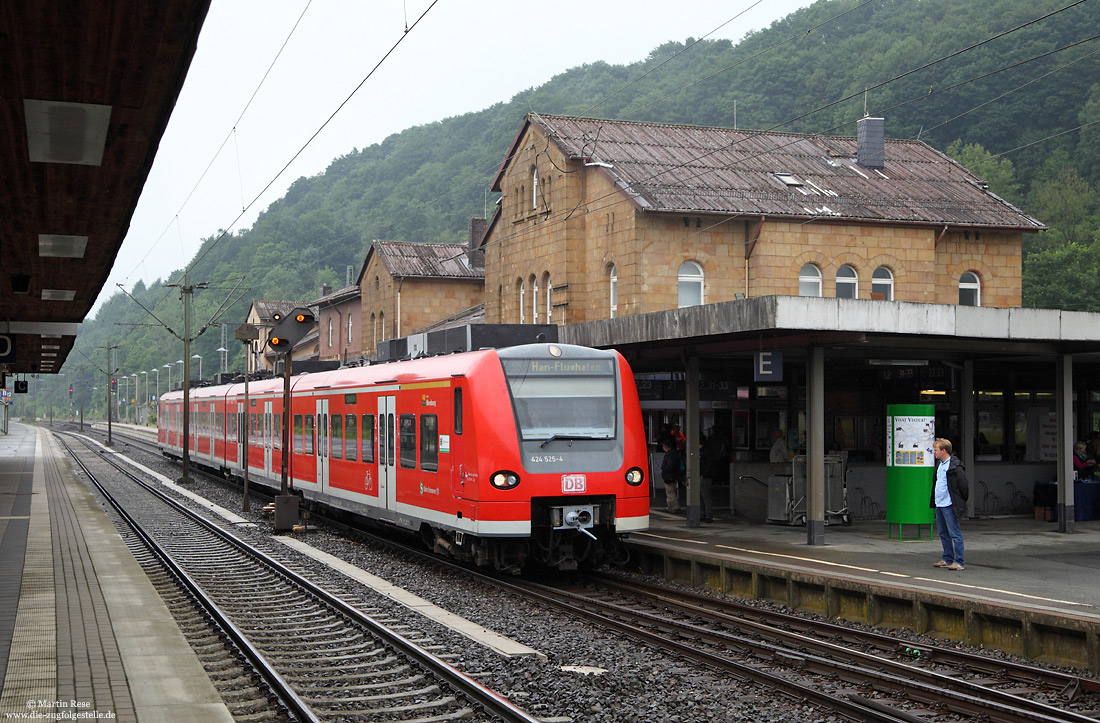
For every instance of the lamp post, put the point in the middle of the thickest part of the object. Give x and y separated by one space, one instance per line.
157 370
169 368
199 357
225 360
136 397
121 396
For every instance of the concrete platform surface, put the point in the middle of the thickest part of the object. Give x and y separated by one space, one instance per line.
82 631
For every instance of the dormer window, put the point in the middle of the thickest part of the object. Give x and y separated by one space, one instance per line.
789 180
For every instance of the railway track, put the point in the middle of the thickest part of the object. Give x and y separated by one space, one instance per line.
322 658
795 654
862 675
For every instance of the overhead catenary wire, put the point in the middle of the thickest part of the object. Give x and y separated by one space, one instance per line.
230 134
563 216
281 171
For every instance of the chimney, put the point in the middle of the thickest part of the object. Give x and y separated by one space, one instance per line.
871 142
325 290
474 252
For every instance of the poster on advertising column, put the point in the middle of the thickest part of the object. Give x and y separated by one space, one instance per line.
911 430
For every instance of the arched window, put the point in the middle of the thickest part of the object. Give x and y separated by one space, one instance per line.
882 284
382 326
809 281
534 299
690 284
522 300
847 283
374 326
535 189
376 283
549 297
613 278
970 289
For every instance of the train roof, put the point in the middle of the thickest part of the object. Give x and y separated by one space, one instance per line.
435 367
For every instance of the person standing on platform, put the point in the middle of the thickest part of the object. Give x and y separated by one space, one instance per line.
949 494
670 473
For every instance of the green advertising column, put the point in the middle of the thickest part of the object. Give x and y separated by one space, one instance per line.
911 429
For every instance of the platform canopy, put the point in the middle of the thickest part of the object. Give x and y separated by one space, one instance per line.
85 95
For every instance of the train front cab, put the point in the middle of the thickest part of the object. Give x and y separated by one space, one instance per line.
561 457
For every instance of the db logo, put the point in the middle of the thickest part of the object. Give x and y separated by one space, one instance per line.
572 483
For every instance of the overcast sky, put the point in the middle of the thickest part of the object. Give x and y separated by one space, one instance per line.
462 56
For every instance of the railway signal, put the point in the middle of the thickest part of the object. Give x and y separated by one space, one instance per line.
289 329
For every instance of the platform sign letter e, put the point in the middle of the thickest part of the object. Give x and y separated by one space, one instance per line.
768 366
7 348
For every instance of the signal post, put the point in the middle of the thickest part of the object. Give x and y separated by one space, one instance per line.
288 331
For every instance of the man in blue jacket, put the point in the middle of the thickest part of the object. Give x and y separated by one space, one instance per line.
949 494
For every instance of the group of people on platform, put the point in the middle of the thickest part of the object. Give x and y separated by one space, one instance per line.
713 466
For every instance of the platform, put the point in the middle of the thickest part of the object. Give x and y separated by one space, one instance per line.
1026 588
82 631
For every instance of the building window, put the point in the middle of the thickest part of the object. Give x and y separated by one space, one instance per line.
534 300
382 325
376 283
614 283
549 298
882 284
809 281
374 325
329 332
847 283
690 286
970 289
534 188
348 339
522 301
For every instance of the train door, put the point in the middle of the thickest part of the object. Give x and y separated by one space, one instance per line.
242 451
322 443
387 463
458 460
269 438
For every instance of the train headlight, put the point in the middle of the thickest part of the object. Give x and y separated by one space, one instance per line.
634 476
504 480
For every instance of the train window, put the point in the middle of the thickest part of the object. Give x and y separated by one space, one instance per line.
254 433
368 437
351 438
277 432
429 442
458 410
297 432
337 436
571 399
408 441
307 433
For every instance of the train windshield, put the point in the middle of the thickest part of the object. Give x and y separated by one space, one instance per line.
563 398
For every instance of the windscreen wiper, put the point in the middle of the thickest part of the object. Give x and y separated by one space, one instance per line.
569 437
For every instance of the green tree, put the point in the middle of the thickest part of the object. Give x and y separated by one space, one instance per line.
999 173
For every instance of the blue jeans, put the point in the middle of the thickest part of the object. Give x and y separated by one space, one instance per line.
950 534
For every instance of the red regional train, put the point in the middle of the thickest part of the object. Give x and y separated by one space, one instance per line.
532 453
